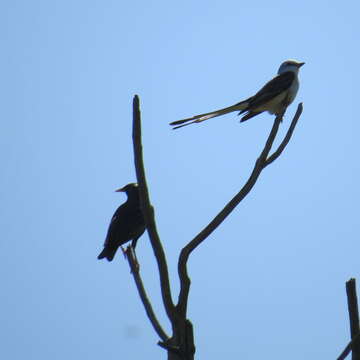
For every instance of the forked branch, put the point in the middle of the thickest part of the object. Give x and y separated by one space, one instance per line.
354 341
260 164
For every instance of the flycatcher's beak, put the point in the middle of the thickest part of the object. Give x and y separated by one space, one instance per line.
120 190
300 64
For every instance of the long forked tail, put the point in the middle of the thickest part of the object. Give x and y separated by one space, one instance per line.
207 116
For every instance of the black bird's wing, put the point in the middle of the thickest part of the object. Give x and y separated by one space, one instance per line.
127 223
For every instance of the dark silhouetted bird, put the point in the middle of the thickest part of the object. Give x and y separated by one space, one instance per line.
127 223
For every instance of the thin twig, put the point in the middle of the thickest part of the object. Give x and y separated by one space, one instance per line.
143 296
260 164
148 212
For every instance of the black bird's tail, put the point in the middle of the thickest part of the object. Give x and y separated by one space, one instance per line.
107 253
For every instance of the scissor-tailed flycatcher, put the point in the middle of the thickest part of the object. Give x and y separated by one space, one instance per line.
273 97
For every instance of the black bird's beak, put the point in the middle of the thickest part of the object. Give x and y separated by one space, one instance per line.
301 64
120 190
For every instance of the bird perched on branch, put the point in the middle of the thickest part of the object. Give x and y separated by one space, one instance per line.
127 223
274 97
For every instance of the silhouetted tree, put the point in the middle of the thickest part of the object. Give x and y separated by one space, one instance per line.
180 344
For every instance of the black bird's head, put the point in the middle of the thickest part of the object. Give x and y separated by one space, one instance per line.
129 189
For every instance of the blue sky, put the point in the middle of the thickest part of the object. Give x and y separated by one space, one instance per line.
271 280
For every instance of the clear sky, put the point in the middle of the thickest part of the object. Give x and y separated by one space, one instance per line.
270 282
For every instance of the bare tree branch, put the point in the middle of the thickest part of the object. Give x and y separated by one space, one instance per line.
143 296
353 316
260 164
148 212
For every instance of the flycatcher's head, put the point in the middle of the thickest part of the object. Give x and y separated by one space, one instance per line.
290 65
